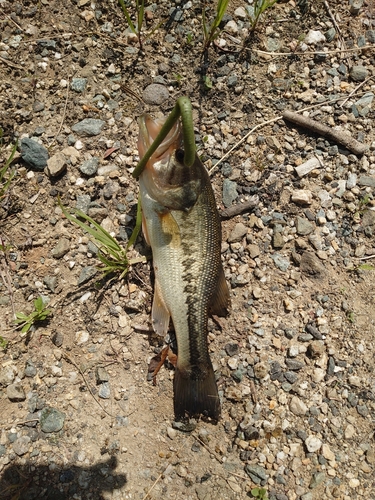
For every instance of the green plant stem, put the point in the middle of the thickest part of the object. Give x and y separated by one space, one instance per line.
182 109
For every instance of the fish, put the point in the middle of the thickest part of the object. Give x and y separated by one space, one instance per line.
181 224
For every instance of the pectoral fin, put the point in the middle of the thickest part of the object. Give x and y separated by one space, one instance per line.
160 314
170 229
220 301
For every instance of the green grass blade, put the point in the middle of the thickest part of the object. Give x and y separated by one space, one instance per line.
140 14
99 233
127 16
138 225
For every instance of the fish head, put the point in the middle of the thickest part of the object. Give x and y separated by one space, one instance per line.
165 177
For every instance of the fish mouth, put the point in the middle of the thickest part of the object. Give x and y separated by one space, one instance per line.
149 128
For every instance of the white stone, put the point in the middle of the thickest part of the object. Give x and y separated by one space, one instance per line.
297 406
313 444
302 197
82 336
349 431
233 363
172 433
307 167
354 482
313 37
356 381
293 351
327 452
231 27
318 375
240 13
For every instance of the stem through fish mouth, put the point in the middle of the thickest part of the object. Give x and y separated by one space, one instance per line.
182 109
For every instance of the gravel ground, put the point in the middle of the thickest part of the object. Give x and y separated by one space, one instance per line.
294 358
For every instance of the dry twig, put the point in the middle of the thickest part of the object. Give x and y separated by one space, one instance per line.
355 90
237 209
319 128
10 63
312 53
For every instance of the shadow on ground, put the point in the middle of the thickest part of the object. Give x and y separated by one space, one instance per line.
29 482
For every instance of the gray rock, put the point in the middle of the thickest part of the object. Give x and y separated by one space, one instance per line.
101 375
7 375
303 226
257 473
47 44
330 34
88 127
62 247
294 364
34 154
89 167
86 274
352 181
311 265
51 420
58 339
50 282
16 393
291 377
363 105
358 73
355 6
370 36
3 450
232 81
273 44
30 369
14 41
83 202
254 250
56 165
92 248
21 445
368 222
307 496
155 94
281 262
317 479
229 192
37 107
78 84
238 232
366 180
277 240
105 391
363 410
231 349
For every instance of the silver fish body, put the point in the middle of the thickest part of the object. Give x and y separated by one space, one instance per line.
182 226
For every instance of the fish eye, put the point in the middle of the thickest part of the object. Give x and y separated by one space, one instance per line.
180 153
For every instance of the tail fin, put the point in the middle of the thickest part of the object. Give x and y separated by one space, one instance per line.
195 393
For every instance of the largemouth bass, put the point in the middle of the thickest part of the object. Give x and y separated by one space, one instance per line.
182 226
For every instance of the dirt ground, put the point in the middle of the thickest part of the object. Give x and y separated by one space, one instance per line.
294 359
